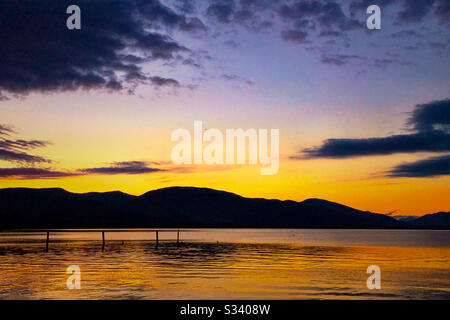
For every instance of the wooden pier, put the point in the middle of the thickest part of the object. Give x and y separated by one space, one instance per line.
102 231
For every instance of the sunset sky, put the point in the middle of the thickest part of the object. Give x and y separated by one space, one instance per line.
94 109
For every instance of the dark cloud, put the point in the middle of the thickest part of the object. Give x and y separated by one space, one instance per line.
126 167
443 10
330 34
384 62
412 48
6 130
361 5
194 25
431 121
243 15
307 21
411 11
159 46
22 144
404 34
234 77
428 116
14 150
39 53
433 141
339 59
222 11
32 173
431 167
186 6
159 81
22 157
251 14
415 11
232 44
437 45
329 16
192 63
297 36
333 60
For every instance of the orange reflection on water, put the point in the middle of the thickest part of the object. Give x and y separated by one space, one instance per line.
136 269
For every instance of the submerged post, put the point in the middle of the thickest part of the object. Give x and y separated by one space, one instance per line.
103 240
157 238
46 241
178 238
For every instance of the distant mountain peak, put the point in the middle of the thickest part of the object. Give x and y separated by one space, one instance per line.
433 220
325 203
188 190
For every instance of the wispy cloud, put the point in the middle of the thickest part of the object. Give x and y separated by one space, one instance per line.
234 77
33 173
125 167
6 130
14 150
22 144
22 157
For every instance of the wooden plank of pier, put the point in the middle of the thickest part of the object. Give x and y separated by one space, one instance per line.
90 230
46 241
47 232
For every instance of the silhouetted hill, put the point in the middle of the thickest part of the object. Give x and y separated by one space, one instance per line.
175 207
434 220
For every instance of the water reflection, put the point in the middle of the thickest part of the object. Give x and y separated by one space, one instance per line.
136 269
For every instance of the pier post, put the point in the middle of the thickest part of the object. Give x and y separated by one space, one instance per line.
103 240
157 236
46 241
178 238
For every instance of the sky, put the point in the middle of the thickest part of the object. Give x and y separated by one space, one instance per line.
363 115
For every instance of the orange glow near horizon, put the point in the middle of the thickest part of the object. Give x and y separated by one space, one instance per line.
89 137
315 179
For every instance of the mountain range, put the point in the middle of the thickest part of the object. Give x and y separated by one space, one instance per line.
186 207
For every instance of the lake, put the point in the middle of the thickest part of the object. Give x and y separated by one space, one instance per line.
228 264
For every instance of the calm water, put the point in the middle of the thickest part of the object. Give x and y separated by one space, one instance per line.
229 264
